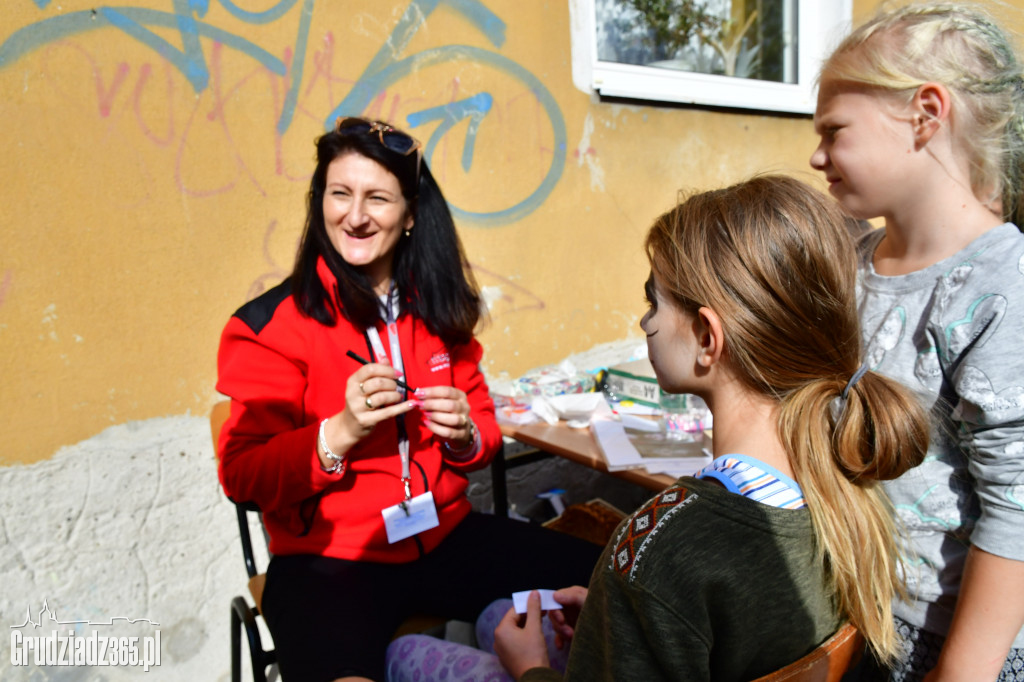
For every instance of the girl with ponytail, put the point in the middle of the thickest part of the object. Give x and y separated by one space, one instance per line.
752 563
766 270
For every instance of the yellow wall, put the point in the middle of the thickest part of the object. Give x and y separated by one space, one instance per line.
154 172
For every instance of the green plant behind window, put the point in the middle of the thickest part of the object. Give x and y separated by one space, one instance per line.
674 23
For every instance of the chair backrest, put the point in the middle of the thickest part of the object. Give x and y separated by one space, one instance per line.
827 663
218 415
243 617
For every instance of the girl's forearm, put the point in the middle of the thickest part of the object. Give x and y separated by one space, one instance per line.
989 614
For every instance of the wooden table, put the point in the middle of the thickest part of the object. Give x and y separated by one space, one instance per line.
577 445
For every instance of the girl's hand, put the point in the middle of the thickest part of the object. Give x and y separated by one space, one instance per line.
446 414
522 647
371 396
564 620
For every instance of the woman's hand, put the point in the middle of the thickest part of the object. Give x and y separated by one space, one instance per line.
564 620
371 396
446 414
522 647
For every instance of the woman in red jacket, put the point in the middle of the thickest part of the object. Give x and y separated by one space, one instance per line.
358 406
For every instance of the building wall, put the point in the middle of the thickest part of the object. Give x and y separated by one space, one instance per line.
156 166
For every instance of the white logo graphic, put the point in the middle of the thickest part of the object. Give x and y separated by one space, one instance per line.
66 645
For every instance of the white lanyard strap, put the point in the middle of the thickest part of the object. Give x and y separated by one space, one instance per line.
389 313
389 310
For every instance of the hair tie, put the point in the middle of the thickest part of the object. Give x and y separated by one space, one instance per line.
838 404
853 380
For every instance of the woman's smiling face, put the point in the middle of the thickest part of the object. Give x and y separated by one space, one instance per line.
364 215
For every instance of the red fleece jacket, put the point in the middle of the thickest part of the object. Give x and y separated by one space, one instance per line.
285 373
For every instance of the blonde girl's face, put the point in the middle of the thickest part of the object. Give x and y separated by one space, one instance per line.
866 146
672 339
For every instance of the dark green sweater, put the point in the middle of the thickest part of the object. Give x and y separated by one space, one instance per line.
701 584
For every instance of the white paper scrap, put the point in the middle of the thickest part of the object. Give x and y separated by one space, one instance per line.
579 405
547 600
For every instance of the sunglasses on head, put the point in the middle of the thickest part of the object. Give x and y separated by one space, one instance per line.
393 139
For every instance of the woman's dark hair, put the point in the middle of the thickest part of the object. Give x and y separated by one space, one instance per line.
431 273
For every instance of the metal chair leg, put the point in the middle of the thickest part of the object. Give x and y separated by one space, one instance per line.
499 486
236 645
243 614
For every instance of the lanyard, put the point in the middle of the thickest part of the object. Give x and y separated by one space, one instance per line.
389 312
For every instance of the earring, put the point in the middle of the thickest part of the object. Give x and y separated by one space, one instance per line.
407 233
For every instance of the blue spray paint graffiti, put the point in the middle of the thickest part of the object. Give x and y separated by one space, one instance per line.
474 108
189 59
384 70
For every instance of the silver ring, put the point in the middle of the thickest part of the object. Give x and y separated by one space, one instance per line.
369 404
361 389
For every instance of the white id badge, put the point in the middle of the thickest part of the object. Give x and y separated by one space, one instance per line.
421 516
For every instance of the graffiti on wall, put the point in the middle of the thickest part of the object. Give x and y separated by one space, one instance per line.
291 87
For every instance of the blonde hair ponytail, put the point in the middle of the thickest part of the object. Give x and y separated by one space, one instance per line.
840 450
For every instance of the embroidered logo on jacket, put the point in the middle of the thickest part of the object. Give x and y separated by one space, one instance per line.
439 361
644 525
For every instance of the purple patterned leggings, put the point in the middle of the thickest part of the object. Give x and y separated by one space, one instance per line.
421 658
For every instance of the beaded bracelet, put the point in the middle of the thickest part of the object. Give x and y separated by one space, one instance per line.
339 462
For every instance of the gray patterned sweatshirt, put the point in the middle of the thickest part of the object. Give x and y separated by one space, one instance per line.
954 334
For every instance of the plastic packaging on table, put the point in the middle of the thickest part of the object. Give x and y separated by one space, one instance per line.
685 417
553 380
514 399
511 410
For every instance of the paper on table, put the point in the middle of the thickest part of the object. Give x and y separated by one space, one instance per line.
611 438
620 452
579 405
683 466
571 406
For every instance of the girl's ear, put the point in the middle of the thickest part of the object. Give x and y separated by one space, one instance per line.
930 110
711 339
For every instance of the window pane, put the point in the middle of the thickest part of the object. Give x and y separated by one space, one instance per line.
742 38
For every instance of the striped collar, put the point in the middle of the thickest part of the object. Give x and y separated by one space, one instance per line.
753 478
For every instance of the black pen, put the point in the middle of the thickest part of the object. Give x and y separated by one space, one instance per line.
363 361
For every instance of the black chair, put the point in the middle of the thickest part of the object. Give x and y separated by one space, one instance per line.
242 614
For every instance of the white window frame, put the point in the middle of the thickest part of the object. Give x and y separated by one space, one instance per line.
821 24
